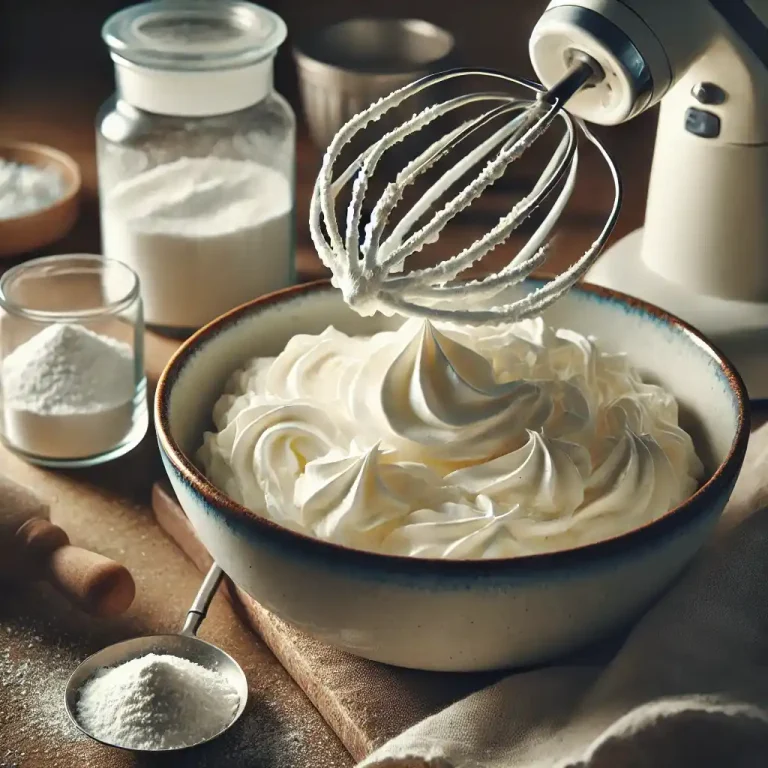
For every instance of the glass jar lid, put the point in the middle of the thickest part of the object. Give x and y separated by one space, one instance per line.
192 35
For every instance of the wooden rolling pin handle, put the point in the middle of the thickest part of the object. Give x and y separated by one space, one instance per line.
97 584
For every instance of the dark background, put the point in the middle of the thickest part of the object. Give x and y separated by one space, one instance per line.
44 39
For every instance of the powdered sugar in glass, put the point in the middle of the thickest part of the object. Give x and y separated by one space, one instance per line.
72 384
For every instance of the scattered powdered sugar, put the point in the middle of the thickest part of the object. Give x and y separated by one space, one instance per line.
279 729
68 392
26 189
157 702
34 669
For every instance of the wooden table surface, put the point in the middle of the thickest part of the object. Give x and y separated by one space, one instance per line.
107 508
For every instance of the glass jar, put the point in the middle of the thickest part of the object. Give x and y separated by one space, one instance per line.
196 158
74 392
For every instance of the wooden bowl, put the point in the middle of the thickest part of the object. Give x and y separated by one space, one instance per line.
42 227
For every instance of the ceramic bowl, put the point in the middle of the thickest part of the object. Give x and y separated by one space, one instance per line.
453 615
31 231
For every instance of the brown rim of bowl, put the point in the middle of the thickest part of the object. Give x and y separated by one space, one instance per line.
679 515
58 156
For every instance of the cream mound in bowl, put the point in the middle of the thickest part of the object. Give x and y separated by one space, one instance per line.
451 498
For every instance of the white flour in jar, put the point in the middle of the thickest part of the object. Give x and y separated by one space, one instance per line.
203 234
68 393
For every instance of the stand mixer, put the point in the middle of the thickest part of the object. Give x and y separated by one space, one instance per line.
703 252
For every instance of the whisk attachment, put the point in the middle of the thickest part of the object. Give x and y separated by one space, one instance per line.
370 274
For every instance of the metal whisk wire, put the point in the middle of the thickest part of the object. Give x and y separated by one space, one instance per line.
368 274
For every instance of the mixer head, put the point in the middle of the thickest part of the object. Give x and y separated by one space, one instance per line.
369 274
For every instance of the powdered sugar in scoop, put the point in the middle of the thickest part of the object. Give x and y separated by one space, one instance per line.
157 702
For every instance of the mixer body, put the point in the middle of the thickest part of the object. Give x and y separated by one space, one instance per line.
703 252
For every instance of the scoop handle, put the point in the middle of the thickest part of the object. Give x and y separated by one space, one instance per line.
95 583
199 609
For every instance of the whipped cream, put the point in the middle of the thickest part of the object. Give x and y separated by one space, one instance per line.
443 441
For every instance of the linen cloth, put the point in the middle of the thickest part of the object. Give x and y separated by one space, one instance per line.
689 686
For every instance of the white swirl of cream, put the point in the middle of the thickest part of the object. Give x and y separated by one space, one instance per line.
315 367
519 351
532 350
572 417
241 391
478 530
457 531
358 498
261 454
451 442
438 399
652 412
545 477
565 354
634 483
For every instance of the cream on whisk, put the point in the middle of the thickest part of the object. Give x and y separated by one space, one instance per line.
444 441
371 275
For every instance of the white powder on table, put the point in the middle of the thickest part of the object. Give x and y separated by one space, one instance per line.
203 234
35 664
157 702
26 189
68 393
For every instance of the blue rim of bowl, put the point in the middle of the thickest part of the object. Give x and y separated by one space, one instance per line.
719 482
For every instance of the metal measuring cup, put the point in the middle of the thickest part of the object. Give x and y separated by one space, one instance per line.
184 645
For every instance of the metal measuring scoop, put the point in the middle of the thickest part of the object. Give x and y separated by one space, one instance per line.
183 645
